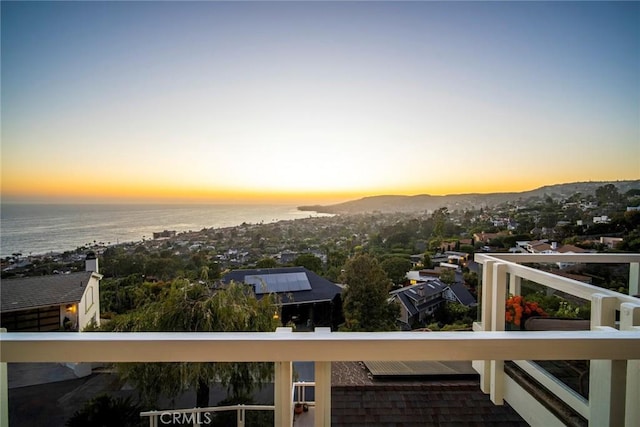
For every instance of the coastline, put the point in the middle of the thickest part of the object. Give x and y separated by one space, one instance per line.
45 229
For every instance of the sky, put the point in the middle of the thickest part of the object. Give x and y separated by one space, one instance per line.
314 102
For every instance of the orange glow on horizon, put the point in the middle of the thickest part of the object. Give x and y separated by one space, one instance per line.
83 190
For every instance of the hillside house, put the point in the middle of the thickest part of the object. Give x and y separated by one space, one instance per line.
420 300
305 297
52 303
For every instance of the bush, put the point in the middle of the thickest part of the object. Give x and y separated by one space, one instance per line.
107 411
252 418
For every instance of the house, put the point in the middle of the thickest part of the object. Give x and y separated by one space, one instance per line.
420 300
287 257
544 247
611 242
603 219
484 237
166 234
305 297
51 303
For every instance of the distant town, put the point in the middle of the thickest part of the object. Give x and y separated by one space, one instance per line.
408 245
367 271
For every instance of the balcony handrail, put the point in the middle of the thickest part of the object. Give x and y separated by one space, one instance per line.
589 258
613 383
563 284
209 409
320 347
301 387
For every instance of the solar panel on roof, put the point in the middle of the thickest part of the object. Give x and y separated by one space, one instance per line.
278 282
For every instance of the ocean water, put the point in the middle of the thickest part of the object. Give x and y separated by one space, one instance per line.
33 229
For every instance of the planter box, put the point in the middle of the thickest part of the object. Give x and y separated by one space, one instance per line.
556 324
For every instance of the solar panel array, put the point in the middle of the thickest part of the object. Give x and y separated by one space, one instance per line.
278 282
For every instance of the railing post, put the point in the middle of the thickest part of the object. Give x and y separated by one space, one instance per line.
487 296
283 413
4 392
515 283
322 416
607 378
630 321
240 414
498 298
634 278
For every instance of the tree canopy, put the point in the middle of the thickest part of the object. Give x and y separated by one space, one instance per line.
366 303
186 307
396 269
310 262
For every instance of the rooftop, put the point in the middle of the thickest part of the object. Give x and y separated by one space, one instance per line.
293 284
42 291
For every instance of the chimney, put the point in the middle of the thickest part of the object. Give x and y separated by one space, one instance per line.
554 246
91 262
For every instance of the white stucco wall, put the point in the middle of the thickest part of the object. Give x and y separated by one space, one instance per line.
89 306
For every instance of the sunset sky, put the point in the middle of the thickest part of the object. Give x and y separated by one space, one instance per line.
314 102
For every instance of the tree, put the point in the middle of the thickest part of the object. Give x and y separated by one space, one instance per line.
365 298
266 263
440 217
426 260
194 308
396 268
310 262
607 194
448 276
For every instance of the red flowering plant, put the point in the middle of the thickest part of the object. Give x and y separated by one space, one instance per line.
519 310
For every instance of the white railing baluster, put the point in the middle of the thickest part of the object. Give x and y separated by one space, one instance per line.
629 321
322 389
322 394
607 378
240 413
282 381
4 392
498 298
634 278
486 316
515 284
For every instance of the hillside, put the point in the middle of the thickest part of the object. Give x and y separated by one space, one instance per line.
426 202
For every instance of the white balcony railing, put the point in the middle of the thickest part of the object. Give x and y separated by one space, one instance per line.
614 384
200 416
614 351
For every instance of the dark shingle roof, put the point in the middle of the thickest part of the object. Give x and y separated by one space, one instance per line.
357 399
408 304
41 291
321 288
463 294
423 404
429 287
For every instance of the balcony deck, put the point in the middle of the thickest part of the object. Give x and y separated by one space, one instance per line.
612 347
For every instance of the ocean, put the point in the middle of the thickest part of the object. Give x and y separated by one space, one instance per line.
33 229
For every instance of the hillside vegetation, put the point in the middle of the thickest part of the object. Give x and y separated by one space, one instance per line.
426 202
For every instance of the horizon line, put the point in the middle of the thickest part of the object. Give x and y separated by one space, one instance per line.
328 200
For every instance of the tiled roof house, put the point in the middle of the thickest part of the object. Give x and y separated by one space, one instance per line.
422 299
50 303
